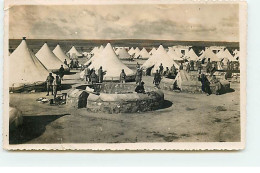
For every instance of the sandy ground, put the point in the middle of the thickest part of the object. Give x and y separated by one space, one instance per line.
184 118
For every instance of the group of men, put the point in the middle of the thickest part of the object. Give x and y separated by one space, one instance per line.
54 83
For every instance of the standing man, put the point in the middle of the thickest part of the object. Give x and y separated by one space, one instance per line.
205 84
161 69
122 76
65 62
138 77
137 66
49 82
87 74
61 72
93 77
55 85
173 70
191 65
188 68
181 66
100 75
157 79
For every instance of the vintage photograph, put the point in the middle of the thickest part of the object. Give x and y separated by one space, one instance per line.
117 76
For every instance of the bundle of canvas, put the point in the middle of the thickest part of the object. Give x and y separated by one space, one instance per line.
28 87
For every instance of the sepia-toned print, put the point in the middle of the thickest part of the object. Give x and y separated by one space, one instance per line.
141 75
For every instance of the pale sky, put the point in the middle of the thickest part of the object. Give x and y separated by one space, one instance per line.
169 22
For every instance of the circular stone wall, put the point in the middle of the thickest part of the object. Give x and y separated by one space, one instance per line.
121 98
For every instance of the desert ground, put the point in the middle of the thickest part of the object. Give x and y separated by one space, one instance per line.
185 117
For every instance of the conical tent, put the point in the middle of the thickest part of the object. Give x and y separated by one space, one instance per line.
95 56
172 54
123 54
131 51
60 54
73 51
159 57
111 64
152 51
49 60
136 53
208 54
94 50
191 55
144 54
25 68
225 54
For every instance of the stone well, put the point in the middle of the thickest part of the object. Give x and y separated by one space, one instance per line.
115 98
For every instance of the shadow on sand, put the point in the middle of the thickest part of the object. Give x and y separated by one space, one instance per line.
166 104
32 127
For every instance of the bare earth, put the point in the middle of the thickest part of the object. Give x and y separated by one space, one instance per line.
185 118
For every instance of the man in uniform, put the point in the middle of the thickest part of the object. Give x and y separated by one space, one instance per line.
161 69
157 79
87 74
122 76
93 77
138 77
140 88
100 74
56 84
65 62
188 68
49 82
61 72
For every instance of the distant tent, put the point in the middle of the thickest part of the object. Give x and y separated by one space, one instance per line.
49 60
60 54
73 52
152 51
160 56
131 51
25 69
208 54
111 64
191 55
136 52
95 50
143 54
117 51
123 54
95 56
225 54
172 54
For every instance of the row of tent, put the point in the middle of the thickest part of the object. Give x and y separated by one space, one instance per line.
26 68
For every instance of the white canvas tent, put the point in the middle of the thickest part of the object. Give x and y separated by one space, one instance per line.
94 50
73 52
143 54
25 68
191 55
172 54
131 51
60 54
123 54
136 52
160 56
152 51
49 60
208 54
111 64
226 55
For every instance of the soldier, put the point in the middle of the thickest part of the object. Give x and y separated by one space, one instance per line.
49 82
191 65
208 66
173 69
87 74
122 76
205 84
157 79
61 72
138 77
93 77
140 88
65 62
188 68
161 69
137 66
100 75
56 84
